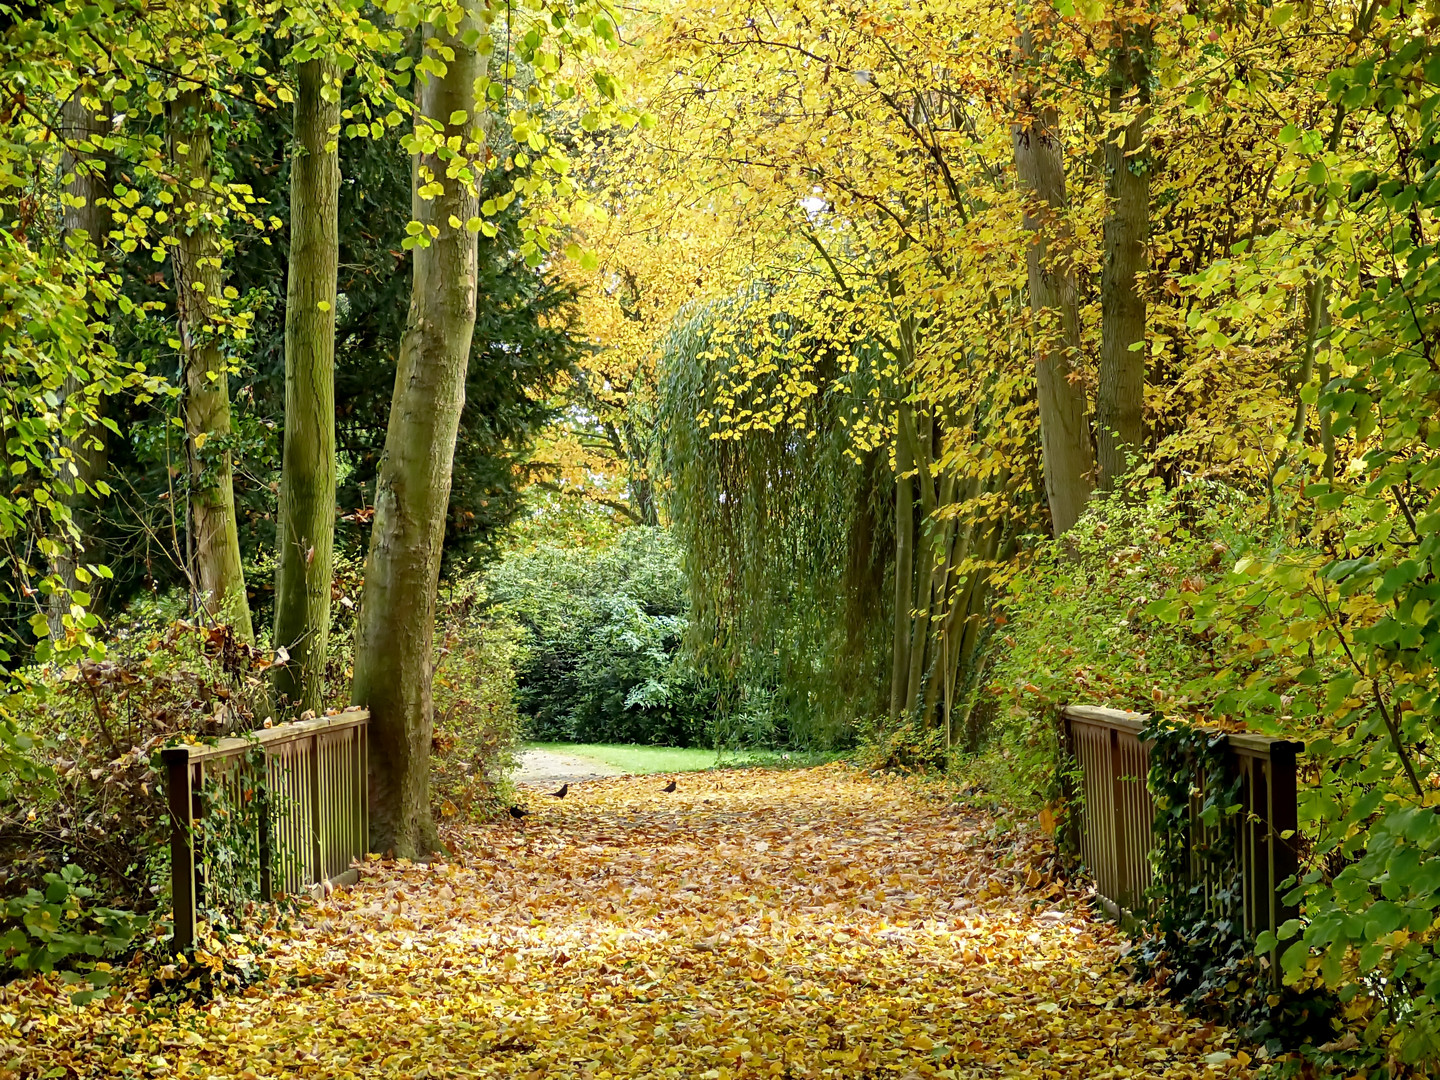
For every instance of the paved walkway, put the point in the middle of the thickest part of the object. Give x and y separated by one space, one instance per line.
546 768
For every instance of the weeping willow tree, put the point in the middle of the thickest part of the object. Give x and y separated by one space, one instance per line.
843 510
784 527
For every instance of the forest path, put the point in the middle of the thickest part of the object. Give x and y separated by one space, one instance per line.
547 769
812 923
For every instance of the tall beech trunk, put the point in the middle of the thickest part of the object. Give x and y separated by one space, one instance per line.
904 561
1120 398
939 615
922 439
394 637
306 529
199 281
1064 427
86 219
965 656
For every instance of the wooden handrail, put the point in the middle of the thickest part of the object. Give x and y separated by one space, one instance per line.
1134 722
281 733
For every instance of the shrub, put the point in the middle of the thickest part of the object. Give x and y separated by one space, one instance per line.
1075 626
905 745
97 806
42 930
603 630
477 727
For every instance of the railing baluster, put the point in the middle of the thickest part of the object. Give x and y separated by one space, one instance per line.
267 855
317 854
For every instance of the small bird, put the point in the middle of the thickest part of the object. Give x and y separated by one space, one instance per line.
669 787
564 790
518 812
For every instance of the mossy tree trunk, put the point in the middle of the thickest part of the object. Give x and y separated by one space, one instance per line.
86 221
216 574
904 562
394 638
304 542
1120 397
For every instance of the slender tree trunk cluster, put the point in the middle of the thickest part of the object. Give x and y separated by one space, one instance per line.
941 566
394 637
1076 458
944 548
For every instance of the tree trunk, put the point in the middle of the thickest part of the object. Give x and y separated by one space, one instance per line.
923 442
86 220
394 637
1120 399
305 535
976 600
642 498
952 619
1327 434
939 615
216 572
1064 427
904 564
1315 304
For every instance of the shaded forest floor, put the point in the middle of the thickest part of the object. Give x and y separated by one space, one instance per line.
807 923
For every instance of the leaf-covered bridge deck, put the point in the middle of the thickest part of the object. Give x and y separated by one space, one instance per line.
752 924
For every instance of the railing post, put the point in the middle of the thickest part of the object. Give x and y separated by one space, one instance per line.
179 797
1121 848
1072 802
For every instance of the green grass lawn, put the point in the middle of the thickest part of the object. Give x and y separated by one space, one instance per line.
642 760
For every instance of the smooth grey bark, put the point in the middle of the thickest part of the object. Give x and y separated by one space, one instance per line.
1120 397
1068 462
919 629
216 572
305 537
967 656
86 219
395 632
904 563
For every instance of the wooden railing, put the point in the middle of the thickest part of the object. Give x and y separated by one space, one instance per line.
307 810
1116 820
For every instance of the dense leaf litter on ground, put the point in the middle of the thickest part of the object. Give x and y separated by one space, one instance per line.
816 923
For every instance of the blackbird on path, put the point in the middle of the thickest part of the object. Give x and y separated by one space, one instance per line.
669 787
564 790
517 812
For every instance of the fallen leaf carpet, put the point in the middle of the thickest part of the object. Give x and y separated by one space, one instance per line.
813 923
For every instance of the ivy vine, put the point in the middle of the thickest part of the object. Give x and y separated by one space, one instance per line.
1198 944
229 827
